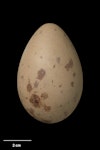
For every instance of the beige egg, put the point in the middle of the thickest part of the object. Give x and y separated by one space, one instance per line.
50 79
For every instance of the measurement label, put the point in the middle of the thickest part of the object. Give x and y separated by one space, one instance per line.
16 145
19 141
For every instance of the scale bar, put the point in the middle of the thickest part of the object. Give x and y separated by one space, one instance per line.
10 140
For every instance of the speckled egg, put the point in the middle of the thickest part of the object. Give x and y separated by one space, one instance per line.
49 78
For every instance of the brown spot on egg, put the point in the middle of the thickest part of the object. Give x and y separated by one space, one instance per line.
69 65
74 74
60 85
36 84
41 57
22 77
28 66
72 84
22 64
47 108
75 98
54 66
61 91
58 60
26 97
35 100
44 95
60 105
66 113
55 29
52 81
41 73
29 87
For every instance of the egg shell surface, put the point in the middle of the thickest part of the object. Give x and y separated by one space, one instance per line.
50 78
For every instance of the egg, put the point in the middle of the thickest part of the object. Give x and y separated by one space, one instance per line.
49 77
